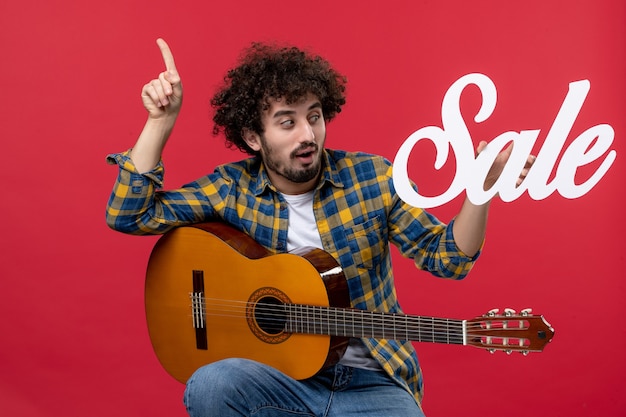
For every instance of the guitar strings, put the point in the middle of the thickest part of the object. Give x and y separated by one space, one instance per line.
279 310
316 320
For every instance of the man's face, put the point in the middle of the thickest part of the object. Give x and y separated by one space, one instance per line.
291 146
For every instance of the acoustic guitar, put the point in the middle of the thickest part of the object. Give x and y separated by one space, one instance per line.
212 293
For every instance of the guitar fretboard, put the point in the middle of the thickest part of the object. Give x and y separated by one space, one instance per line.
359 323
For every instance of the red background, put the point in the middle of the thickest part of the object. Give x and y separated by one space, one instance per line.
74 340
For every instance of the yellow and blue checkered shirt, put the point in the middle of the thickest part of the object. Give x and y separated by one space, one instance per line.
357 212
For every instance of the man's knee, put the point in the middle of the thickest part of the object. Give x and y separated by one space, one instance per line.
224 375
217 385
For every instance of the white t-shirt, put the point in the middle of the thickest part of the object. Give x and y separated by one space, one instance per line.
303 233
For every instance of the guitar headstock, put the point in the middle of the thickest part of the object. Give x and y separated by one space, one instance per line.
509 332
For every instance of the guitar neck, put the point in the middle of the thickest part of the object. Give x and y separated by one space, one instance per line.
346 322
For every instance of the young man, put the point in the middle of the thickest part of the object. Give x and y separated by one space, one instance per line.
291 193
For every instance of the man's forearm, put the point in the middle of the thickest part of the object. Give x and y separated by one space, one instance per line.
470 226
147 151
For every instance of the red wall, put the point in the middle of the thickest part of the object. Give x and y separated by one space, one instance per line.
74 340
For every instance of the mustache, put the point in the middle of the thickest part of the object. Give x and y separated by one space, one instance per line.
305 147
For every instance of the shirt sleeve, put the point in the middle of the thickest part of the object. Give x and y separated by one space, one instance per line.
431 245
138 206
428 241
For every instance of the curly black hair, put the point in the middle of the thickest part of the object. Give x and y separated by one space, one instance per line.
267 72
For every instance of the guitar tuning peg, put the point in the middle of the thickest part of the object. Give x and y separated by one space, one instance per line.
508 351
526 311
492 351
524 352
492 312
508 312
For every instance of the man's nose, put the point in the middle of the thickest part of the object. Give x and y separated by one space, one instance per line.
306 132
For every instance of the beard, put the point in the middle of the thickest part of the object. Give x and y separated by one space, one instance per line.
300 175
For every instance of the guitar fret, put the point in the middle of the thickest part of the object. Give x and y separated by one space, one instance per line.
362 317
299 321
419 333
352 333
306 313
432 329
319 322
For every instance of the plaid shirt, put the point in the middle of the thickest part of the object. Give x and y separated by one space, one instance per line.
357 212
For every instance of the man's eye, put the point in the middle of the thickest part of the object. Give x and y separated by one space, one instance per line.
287 123
314 118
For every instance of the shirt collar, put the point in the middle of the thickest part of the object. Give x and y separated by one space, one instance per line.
330 174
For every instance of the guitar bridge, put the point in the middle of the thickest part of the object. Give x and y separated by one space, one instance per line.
198 310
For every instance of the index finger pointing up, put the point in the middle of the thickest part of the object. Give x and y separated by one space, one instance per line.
168 58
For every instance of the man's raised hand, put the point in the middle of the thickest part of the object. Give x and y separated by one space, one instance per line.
163 96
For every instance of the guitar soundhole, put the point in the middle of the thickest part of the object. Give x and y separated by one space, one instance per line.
266 314
270 315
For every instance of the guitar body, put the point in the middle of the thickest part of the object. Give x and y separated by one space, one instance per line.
231 274
214 293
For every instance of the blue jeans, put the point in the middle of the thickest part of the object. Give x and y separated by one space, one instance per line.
240 387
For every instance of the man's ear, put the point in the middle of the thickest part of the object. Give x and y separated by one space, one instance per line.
252 139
